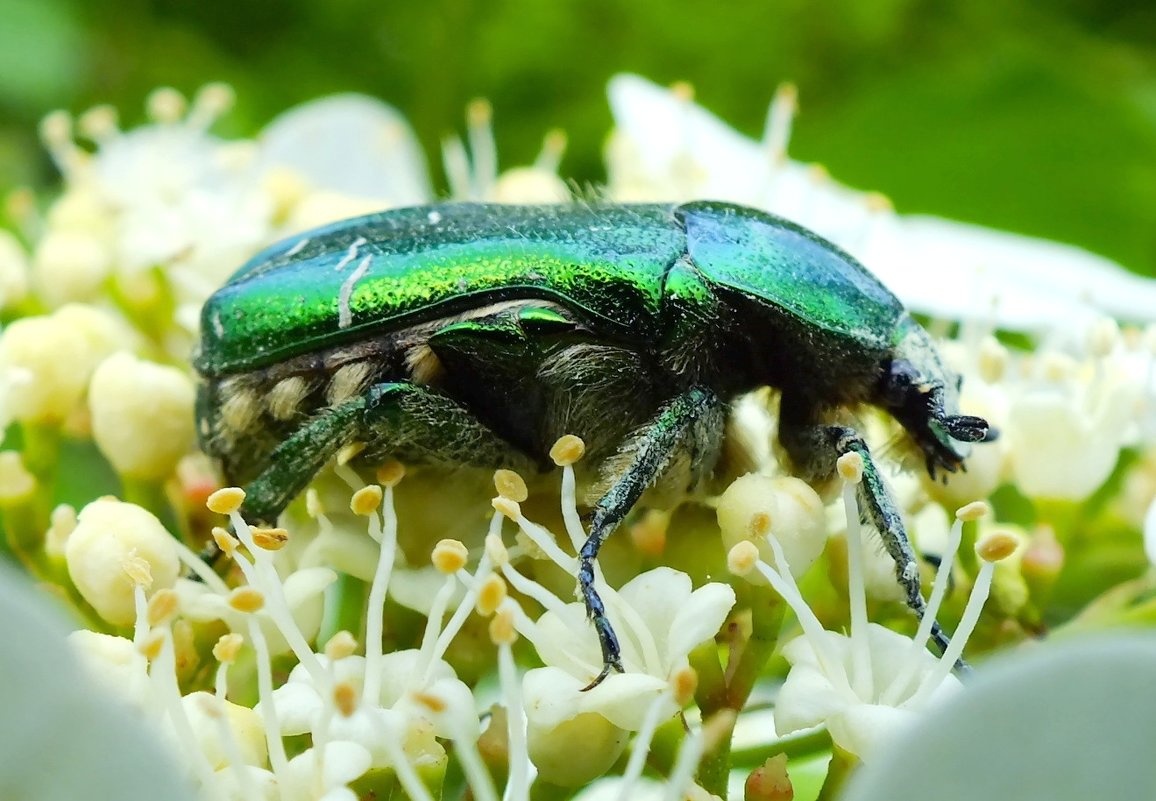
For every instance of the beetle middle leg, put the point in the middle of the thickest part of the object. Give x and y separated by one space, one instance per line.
396 417
688 427
815 448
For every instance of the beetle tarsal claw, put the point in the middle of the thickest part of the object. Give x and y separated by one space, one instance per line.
969 428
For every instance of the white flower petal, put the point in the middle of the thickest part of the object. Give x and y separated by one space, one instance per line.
344 762
352 144
655 597
623 698
568 641
861 729
806 699
698 619
298 707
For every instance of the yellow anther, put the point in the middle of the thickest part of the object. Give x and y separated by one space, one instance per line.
390 473
742 558
996 546
449 556
340 645
683 683
509 508
138 570
246 599
975 510
502 631
345 698
510 485
491 594
226 501
366 500
162 606
271 539
567 450
227 647
350 452
225 541
850 467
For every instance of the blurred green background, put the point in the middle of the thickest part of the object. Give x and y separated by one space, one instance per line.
1036 117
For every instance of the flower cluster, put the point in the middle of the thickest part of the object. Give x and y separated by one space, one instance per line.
401 633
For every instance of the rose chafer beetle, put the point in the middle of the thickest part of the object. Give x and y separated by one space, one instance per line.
474 334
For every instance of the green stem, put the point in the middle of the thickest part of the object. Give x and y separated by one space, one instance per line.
838 771
344 607
766 621
151 495
807 744
23 536
41 456
715 767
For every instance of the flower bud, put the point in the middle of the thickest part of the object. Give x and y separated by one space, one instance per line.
1057 449
70 266
755 507
109 535
116 664
142 415
50 359
206 713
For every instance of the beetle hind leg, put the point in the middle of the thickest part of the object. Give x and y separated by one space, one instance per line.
395 417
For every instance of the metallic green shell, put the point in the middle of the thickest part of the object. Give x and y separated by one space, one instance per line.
786 266
607 264
385 271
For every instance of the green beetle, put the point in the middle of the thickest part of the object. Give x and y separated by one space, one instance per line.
475 334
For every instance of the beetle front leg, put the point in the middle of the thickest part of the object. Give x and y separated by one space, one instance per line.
395 417
688 427
815 449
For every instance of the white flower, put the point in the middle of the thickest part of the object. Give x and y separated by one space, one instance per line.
809 697
1063 722
385 726
324 777
658 621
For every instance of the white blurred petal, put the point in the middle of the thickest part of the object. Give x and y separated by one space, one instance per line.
351 144
61 736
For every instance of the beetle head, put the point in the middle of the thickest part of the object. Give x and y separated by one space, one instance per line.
923 395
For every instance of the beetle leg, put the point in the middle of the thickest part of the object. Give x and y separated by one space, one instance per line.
405 418
815 450
689 426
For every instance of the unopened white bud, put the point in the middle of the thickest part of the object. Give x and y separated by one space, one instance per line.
142 415
109 535
70 266
50 359
755 507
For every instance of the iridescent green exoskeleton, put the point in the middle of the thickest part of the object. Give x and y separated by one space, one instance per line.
471 334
